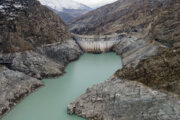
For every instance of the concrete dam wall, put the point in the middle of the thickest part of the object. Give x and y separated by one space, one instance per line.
97 43
130 48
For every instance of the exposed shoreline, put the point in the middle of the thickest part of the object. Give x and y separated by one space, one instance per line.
71 51
58 61
5 101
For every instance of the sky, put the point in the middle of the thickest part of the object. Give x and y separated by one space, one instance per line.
95 3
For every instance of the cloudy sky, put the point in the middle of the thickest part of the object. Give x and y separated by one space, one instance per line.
95 3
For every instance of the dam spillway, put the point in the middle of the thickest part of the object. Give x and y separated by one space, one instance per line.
96 46
97 43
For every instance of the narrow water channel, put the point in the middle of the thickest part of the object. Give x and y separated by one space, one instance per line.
51 101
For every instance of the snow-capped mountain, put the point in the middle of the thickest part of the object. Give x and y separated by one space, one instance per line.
66 9
63 4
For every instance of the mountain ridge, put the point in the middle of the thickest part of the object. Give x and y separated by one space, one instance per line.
67 9
121 16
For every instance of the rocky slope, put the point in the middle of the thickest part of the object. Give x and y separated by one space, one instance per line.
34 44
118 99
14 87
44 62
27 24
162 70
121 16
150 55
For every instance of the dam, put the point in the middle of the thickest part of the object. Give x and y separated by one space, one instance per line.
97 43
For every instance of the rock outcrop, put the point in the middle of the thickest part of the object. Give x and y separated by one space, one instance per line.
160 71
62 53
14 87
117 99
133 49
44 62
27 28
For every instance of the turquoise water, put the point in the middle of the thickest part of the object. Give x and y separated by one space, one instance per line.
50 102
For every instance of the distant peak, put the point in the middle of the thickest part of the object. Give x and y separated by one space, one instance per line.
63 4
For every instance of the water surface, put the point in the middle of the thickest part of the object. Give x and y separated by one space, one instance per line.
50 102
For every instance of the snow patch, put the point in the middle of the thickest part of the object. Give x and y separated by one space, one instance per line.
18 6
8 9
1 7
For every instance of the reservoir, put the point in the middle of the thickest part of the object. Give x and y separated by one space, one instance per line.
50 102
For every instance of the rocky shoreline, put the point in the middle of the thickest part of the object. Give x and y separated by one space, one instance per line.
51 60
117 99
41 47
123 98
14 87
26 69
34 44
46 61
148 85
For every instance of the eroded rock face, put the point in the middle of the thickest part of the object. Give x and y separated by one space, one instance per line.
132 49
14 87
47 61
161 71
117 99
61 53
44 62
36 65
